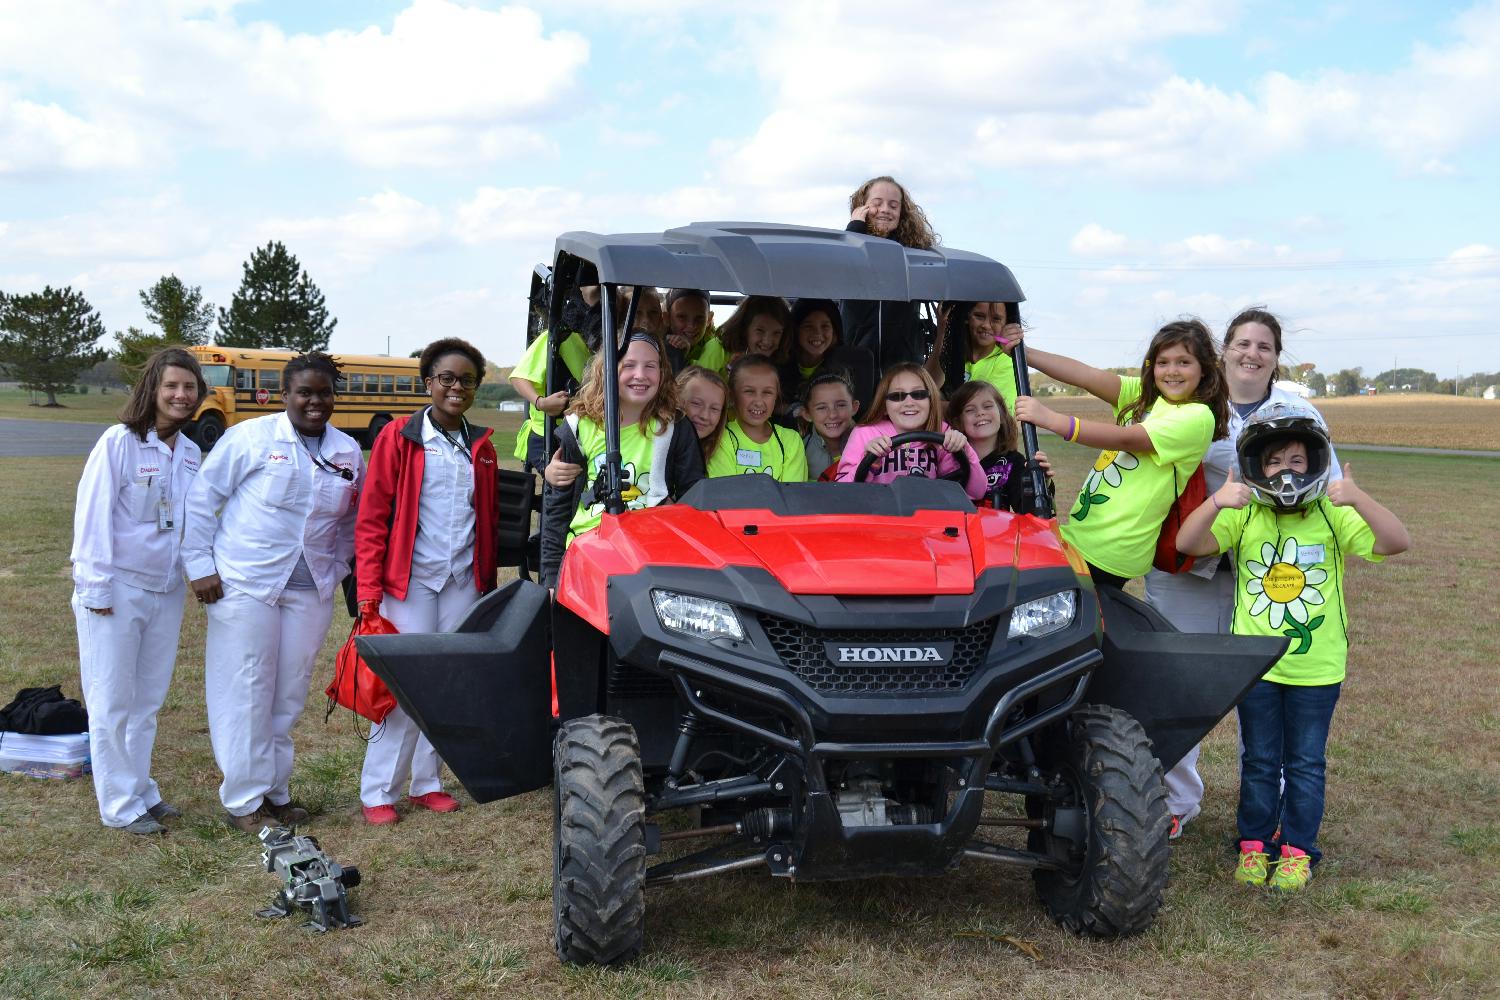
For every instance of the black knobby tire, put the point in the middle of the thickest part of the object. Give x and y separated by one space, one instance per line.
376 426
599 842
208 429
1116 878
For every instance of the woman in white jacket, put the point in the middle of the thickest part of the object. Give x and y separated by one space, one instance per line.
128 584
270 532
1202 599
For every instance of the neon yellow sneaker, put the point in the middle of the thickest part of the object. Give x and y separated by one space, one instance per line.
1253 865
1292 871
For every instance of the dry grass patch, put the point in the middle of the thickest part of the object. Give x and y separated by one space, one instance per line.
459 906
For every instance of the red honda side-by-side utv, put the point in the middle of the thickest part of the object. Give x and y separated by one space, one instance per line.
831 681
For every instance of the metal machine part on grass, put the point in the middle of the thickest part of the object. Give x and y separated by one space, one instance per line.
310 880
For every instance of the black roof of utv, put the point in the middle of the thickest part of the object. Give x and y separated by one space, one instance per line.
756 258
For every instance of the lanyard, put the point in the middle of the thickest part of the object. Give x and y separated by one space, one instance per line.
321 462
462 447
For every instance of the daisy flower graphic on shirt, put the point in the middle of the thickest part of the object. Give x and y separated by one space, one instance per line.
1106 472
1284 588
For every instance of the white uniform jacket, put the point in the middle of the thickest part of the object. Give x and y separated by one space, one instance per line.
260 502
130 492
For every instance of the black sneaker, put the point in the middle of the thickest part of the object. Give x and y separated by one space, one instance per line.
144 826
286 814
164 810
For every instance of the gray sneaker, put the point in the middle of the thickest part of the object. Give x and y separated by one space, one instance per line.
144 826
251 823
164 810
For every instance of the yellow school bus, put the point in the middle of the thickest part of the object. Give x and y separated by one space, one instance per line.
244 383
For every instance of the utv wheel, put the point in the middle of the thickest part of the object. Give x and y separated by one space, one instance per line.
1116 871
599 842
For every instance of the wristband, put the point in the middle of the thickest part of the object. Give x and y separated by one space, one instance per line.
1213 498
1077 429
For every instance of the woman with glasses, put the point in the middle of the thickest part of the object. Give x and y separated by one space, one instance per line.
425 539
268 536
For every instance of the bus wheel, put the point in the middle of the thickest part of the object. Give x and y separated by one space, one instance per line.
376 426
210 428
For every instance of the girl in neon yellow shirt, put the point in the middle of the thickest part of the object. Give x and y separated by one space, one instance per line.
1164 423
751 442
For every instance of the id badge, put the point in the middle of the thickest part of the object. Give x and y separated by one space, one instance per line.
748 457
163 514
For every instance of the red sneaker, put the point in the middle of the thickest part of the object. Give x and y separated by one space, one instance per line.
381 815
438 802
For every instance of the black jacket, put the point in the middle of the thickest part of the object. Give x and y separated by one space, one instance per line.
684 468
891 331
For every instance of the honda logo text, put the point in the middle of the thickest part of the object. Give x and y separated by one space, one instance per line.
915 653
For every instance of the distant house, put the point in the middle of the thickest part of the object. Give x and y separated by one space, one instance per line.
1369 390
1490 392
511 406
1295 388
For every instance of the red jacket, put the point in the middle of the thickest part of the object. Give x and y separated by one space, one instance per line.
385 530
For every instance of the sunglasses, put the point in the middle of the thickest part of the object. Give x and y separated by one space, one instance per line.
448 380
897 395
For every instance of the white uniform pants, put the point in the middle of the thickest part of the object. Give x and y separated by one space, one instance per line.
125 664
397 749
1191 604
256 670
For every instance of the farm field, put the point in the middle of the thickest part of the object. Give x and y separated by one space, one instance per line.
1407 904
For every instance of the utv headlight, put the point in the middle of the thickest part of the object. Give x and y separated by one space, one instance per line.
1044 615
696 616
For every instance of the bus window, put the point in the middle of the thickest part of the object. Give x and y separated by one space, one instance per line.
244 378
354 382
403 383
387 383
270 379
218 375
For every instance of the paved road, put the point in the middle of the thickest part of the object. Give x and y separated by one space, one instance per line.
1460 452
34 438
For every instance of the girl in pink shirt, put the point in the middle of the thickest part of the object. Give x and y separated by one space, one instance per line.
906 400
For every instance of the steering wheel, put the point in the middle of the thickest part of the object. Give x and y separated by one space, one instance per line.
960 476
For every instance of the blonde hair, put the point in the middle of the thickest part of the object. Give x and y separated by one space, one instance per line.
691 372
934 411
661 411
912 229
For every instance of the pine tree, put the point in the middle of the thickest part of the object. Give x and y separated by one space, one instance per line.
178 311
47 338
277 306
133 348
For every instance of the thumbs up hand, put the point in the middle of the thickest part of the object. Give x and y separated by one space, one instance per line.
1345 492
1233 495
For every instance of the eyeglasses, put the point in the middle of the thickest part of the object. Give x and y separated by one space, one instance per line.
448 380
897 396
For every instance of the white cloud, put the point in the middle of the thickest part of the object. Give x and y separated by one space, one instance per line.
378 227
1093 240
445 85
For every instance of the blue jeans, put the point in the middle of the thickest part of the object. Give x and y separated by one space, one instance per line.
1284 728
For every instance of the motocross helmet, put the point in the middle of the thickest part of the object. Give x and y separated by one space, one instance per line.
1267 429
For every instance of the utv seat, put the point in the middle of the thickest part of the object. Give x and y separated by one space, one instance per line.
899 498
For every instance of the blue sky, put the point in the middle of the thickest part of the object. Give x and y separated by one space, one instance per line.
1132 162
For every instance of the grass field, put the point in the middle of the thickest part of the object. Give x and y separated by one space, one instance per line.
1406 905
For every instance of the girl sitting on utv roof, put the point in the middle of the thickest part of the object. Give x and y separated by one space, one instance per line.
751 442
908 401
659 451
1164 422
978 410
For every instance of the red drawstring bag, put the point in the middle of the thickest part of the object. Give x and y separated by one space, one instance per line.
355 685
1193 496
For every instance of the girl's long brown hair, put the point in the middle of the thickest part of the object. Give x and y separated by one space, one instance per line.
733 334
1212 391
662 410
1010 432
139 413
934 410
912 229
710 443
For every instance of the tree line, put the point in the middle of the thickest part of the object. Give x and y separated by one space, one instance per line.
48 338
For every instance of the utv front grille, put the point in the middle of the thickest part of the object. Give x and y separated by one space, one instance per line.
803 649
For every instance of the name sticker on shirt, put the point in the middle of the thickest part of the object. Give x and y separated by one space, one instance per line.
147 470
433 449
279 458
1308 555
748 456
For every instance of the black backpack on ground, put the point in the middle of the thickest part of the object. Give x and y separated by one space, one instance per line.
44 712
